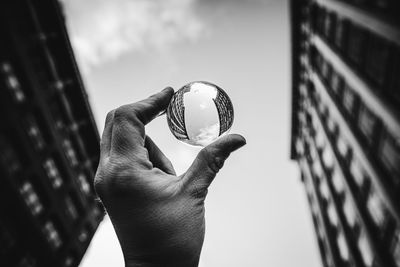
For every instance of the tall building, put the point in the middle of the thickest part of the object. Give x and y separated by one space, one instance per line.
49 144
346 126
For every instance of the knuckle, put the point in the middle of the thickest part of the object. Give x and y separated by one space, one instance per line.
109 178
110 116
214 161
120 114
131 113
141 106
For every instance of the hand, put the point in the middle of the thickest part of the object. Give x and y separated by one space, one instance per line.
158 216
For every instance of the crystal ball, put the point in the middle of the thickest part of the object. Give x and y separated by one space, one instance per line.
199 113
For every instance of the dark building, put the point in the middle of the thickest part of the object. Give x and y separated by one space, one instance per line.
346 126
49 144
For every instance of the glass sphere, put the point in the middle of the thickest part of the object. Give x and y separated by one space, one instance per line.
199 113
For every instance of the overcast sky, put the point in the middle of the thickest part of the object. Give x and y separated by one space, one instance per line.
256 211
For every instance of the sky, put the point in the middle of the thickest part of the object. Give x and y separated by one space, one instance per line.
256 210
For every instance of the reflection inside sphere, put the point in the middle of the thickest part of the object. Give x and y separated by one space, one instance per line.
199 113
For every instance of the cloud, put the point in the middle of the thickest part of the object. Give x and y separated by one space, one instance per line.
103 30
206 135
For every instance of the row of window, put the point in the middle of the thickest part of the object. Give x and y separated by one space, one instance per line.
12 82
375 58
363 121
335 234
333 172
360 236
29 192
35 203
329 206
323 241
35 128
360 178
53 236
375 205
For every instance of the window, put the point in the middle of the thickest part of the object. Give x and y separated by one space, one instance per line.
328 158
328 256
343 147
332 215
377 60
303 90
35 134
342 27
395 248
358 173
301 117
365 249
317 169
71 209
332 125
356 45
350 101
53 173
31 198
59 116
324 190
83 235
389 154
70 152
337 181
320 19
12 82
69 261
349 212
376 209
326 70
85 187
368 124
320 140
343 247
336 85
97 213
320 229
330 21
52 235
312 153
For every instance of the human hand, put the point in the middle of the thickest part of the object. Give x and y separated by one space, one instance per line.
157 215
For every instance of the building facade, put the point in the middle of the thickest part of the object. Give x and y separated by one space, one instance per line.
49 143
346 126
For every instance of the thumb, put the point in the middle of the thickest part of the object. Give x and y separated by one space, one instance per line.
210 160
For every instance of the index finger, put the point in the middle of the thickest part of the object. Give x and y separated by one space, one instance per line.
129 121
149 108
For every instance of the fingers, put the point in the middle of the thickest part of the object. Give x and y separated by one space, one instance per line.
158 158
147 109
105 143
129 121
210 160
